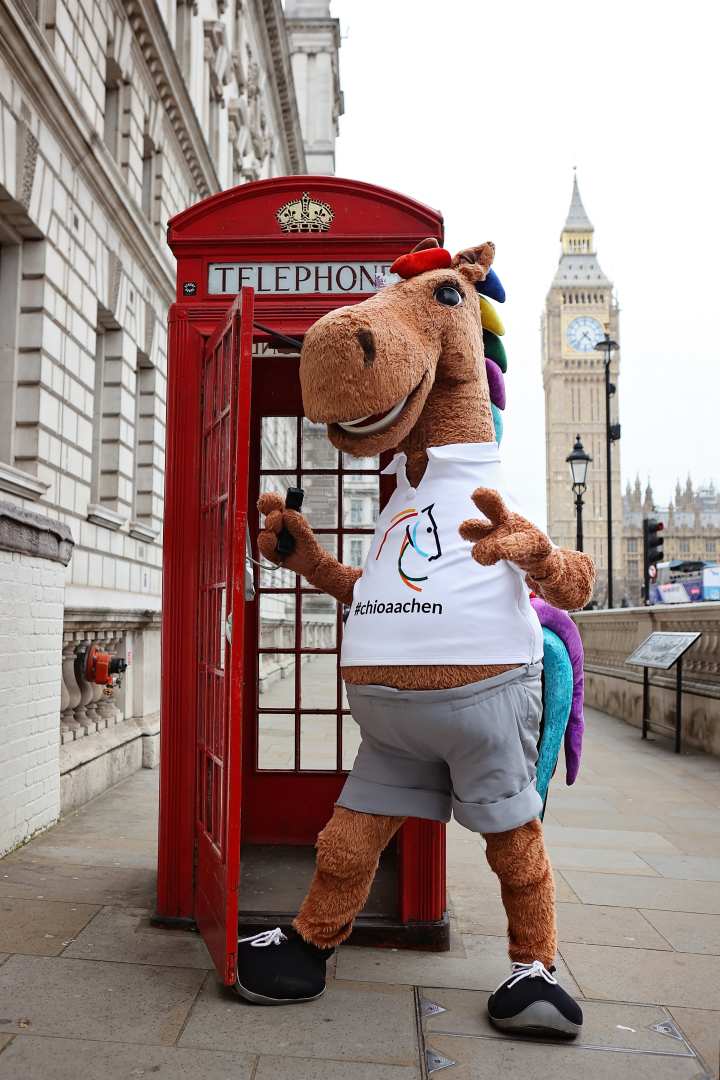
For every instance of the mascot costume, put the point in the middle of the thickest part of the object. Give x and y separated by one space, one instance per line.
448 621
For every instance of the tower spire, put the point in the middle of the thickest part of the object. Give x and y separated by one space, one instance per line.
578 260
577 219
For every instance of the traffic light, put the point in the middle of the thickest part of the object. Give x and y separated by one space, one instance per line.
652 551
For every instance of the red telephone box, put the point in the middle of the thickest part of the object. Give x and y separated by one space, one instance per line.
256 735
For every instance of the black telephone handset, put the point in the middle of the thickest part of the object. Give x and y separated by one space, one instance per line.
285 541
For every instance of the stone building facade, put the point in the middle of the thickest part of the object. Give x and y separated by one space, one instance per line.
692 528
579 309
115 115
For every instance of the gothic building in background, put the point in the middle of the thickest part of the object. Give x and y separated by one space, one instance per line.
579 308
692 528
114 116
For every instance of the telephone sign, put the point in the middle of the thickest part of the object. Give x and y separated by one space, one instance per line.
329 277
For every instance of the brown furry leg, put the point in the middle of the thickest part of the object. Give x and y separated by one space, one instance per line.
520 860
348 851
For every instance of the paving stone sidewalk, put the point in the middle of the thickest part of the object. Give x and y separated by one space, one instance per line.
89 991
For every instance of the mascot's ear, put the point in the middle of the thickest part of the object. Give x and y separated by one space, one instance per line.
430 242
473 263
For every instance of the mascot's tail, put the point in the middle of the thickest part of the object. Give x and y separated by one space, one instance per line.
563 687
563 679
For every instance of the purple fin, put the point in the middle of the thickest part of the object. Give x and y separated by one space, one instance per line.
496 382
561 624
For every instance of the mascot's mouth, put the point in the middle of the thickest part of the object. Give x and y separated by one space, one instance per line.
373 423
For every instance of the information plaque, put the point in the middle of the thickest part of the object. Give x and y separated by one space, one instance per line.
663 649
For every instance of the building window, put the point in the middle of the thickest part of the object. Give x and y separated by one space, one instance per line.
214 129
151 178
44 14
144 440
710 547
183 35
10 282
684 547
632 545
113 107
107 345
147 176
111 479
356 512
356 552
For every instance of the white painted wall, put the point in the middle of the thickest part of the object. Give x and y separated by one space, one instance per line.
31 624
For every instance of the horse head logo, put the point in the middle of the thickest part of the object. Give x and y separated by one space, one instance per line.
420 544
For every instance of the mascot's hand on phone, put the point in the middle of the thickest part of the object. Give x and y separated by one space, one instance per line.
307 553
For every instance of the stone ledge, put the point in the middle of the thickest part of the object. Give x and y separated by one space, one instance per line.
28 533
21 483
80 751
141 531
103 515
91 765
86 781
80 619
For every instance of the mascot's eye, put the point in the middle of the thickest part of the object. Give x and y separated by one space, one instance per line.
448 295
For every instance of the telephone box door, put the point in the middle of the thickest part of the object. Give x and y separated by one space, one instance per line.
224 455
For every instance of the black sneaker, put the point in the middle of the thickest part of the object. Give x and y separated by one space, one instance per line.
280 969
532 1002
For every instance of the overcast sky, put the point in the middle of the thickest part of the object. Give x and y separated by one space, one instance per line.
482 109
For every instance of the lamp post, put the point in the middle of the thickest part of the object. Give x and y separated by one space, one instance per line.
612 432
578 460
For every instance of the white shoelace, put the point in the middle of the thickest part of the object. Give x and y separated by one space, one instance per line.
267 937
536 970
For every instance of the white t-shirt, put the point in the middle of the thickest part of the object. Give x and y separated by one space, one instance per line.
422 598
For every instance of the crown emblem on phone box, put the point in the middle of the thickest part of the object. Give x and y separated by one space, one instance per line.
305 215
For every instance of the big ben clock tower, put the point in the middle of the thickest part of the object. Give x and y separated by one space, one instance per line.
579 308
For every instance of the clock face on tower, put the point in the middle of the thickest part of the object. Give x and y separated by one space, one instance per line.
584 333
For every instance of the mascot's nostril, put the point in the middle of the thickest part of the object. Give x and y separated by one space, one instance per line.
367 343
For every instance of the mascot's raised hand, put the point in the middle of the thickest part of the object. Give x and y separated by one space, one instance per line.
560 576
504 535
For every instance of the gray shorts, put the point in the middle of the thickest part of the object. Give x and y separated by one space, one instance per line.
470 751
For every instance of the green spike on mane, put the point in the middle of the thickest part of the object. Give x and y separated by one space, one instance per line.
495 349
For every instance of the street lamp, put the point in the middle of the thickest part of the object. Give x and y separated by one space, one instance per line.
612 432
578 460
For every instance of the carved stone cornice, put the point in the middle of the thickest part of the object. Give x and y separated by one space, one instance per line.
327 28
271 22
29 533
152 37
91 619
